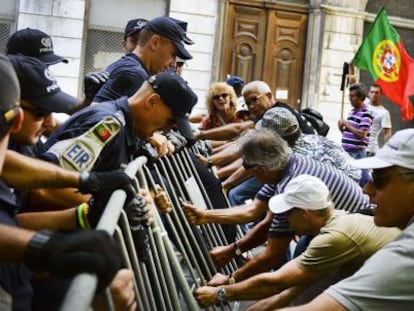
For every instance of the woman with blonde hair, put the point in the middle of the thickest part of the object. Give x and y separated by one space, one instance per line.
221 106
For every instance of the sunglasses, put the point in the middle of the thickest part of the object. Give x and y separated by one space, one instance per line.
248 166
217 97
252 100
381 180
37 113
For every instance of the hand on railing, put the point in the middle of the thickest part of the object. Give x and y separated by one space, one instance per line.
137 213
194 214
104 183
222 255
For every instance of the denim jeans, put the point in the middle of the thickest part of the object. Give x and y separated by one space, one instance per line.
359 154
243 192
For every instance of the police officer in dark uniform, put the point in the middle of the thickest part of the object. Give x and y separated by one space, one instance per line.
104 136
160 41
92 251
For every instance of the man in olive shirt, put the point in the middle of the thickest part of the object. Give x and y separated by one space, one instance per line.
341 244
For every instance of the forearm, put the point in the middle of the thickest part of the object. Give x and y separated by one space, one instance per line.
387 134
225 171
256 287
279 300
358 132
225 132
228 154
42 173
55 199
13 242
56 220
236 215
272 256
255 236
236 178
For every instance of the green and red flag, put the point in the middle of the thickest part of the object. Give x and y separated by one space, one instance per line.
382 53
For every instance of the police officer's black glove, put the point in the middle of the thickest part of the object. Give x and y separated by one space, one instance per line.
137 214
67 254
93 82
106 182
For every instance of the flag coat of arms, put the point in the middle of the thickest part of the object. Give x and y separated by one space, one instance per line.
382 53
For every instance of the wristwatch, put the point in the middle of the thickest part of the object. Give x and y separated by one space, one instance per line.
237 250
221 294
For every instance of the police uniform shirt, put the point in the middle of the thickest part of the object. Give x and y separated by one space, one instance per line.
87 142
14 278
33 151
125 77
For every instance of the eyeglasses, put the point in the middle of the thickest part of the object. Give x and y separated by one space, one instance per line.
217 97
380 180
248 166
252 100
37 113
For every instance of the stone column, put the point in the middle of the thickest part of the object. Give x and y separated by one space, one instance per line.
337 32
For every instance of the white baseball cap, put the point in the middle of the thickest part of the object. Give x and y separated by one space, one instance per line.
303 191
399 151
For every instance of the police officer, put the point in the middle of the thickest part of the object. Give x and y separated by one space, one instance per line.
43 251
103 136
160 41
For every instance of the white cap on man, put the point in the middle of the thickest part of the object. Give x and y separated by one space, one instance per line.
398 151
303 191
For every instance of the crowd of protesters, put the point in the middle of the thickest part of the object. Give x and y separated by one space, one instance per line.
319 207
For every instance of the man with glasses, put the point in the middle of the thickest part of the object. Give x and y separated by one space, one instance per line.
341 244
273 163
385 281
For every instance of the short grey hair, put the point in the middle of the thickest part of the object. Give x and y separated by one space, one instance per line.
264 147
258 86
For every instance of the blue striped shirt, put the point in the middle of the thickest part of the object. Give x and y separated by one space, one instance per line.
346 194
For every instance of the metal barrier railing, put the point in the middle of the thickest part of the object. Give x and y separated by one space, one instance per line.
177 259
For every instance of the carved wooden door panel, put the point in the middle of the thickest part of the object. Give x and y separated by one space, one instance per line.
266 41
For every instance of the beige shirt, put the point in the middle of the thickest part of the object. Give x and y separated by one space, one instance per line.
344 243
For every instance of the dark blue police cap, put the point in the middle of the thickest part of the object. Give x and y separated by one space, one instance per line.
39 86
183 26
35 43
134 26
176 94
168 28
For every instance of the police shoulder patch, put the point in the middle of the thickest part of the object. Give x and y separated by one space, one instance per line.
80 153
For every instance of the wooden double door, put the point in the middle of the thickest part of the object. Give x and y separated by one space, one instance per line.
266 41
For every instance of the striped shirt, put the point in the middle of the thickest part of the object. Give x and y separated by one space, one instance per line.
346 194
360 119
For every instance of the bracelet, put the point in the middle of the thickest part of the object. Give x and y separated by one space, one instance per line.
82 216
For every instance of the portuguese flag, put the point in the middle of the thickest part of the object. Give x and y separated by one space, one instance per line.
383 54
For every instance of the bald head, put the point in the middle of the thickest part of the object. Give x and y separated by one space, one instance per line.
256 86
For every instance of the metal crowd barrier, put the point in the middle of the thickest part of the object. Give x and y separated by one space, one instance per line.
177 259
